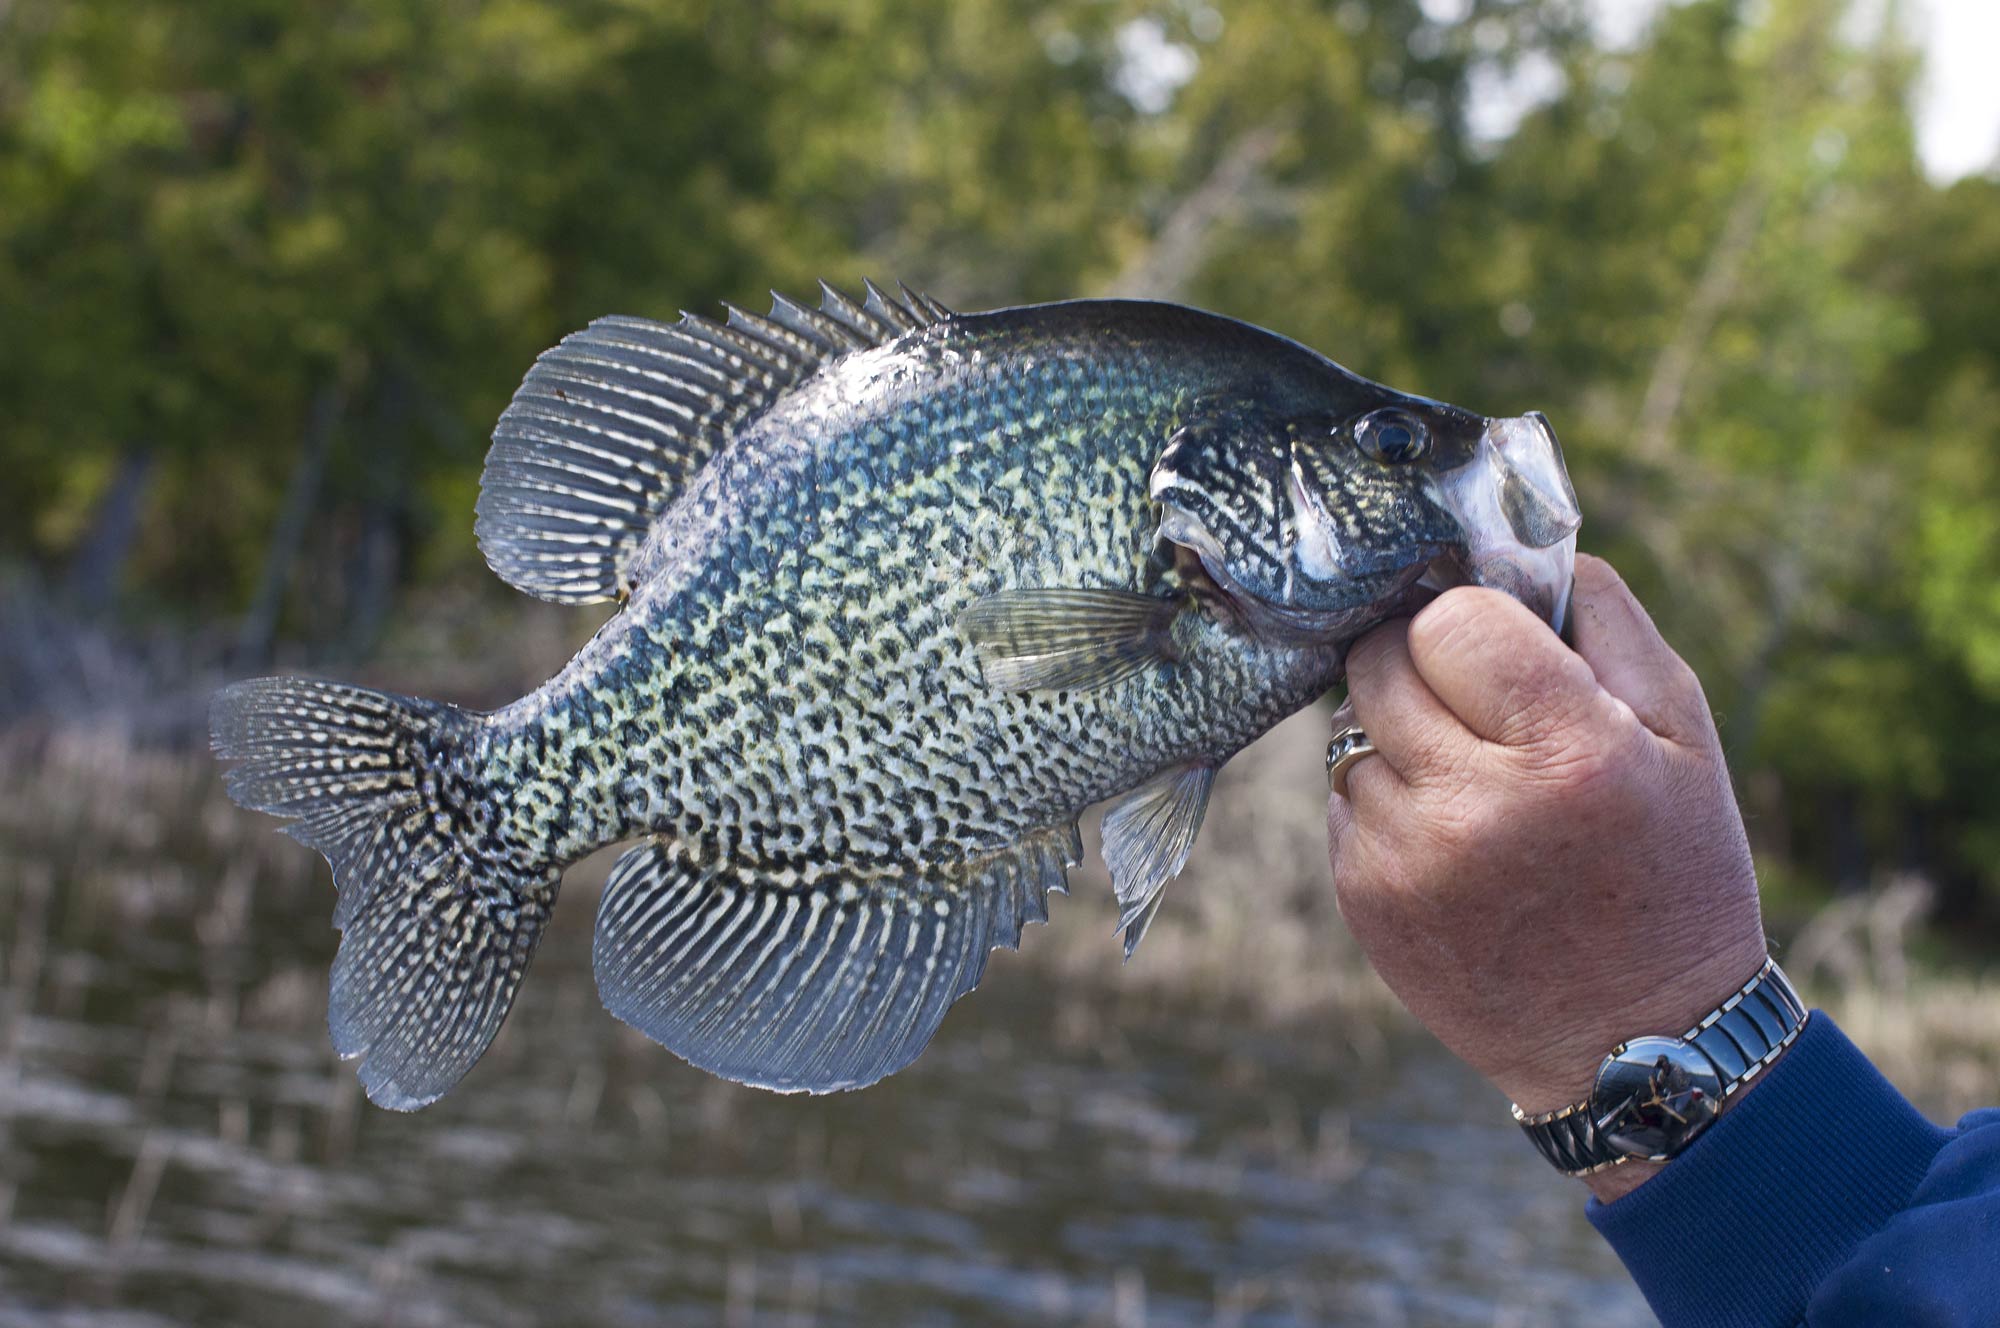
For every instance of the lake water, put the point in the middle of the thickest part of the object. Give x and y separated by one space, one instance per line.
178 1146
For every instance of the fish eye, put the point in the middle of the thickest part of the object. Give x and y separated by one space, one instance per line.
1392 435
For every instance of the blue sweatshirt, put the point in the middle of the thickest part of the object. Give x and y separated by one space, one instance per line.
1824 1199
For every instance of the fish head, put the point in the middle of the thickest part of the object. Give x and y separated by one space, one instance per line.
1318 524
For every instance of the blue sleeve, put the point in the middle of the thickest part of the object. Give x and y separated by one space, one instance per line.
1822 1198
1936 1264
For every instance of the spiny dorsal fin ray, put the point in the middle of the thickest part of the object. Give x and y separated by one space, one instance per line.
1148 834
808 987
610 425
1068 639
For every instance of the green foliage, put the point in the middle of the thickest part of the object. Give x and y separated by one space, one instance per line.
298 256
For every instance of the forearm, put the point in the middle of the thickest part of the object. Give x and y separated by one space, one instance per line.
1766 1218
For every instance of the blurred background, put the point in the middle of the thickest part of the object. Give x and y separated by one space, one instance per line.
270 270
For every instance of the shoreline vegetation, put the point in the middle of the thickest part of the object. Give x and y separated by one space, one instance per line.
288 268
283 268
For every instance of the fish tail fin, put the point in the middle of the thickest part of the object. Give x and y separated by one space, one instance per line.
439 918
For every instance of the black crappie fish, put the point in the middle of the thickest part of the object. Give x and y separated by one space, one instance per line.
905 592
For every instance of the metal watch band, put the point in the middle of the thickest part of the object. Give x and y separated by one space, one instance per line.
1568 1138
1736 1040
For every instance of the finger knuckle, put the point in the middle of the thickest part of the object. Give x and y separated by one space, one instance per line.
1588 761
1685 686
1448 622
1436 763
1578 763
1451 816
1459 824
1366 656
1539 705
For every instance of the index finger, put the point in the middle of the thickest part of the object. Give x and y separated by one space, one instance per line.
1498 668
1397 709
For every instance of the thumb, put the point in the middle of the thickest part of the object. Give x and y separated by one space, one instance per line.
1632 661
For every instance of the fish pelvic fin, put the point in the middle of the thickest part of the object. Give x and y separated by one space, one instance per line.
809 986
609 427
1148 835
438 926
1068 639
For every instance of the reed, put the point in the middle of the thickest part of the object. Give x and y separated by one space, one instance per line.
104 837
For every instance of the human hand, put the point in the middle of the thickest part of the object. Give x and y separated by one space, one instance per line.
1544 858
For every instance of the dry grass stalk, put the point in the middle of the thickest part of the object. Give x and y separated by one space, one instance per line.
100 836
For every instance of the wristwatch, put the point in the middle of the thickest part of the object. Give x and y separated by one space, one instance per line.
1655 1095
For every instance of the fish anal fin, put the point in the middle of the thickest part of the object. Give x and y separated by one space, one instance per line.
808 986
1068 639
610 426
1148 834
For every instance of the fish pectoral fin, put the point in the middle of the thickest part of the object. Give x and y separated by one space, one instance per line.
1068 639
809 986
1148 834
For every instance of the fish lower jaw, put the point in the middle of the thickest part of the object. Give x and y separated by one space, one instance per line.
1446 571
1295 625
1298 626
1442 573
1539 578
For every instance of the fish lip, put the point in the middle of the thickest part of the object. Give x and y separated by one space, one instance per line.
1518 510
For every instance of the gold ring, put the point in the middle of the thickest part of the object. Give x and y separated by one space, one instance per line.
1348 746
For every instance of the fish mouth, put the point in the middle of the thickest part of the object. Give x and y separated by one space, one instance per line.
1544 589
1518 509
1444 573
1543 584
1518 517
1269 619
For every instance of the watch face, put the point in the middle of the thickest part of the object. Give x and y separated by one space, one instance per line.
1653 1095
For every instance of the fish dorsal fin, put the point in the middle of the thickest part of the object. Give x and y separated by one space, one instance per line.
809 985
1148 834
610 425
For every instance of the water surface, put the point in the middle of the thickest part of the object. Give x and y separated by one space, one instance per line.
178 1146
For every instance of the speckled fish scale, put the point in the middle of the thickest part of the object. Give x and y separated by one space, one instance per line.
900 604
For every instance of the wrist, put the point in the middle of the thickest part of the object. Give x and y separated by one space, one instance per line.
1621 1180
1654 1094
1590 1016
1627 1176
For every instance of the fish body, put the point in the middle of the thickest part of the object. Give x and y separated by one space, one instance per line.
905 592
